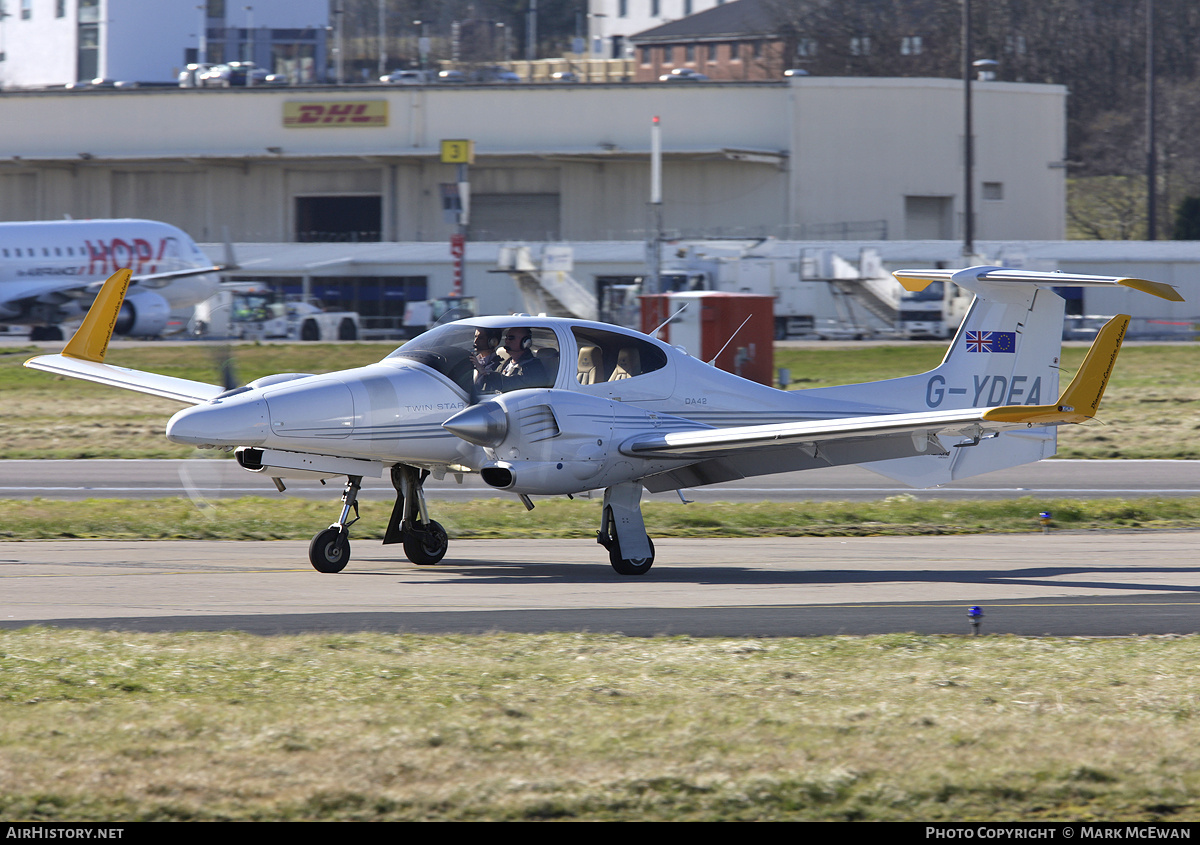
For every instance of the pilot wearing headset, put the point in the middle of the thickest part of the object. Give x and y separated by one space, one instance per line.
523 368
485 358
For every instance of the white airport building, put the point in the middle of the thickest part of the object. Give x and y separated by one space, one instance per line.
46 43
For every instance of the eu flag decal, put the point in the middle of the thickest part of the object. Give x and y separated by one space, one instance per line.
991 341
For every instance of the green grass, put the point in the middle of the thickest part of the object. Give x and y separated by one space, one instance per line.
124 727
1151 410
282 518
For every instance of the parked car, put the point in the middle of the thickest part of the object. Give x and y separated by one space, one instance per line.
565 76
452 76
683 74
495 74
189 76
405 77
232 74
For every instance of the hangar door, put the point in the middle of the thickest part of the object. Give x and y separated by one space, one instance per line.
515 217
339 218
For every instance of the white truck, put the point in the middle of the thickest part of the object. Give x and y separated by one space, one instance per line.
254 311
750 267
817 292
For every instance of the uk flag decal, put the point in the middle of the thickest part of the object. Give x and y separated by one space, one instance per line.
991 341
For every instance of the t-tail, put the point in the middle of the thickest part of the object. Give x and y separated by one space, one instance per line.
1006 353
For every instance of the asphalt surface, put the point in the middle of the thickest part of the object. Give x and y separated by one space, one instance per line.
1085 584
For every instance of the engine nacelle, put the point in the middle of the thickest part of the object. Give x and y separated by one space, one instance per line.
143 314
552 442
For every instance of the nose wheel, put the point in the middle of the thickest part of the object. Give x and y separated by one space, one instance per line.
329 551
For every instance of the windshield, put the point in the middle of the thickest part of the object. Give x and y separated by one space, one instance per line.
478 360
932 293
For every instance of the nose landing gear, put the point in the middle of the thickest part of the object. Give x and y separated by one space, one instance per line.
329 551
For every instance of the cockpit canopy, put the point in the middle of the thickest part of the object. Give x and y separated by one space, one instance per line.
574 355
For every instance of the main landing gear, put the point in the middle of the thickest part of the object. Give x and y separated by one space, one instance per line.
622 531
425 541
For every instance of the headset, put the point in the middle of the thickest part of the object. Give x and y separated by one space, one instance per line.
527 341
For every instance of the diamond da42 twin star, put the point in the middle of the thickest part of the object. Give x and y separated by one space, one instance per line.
576 406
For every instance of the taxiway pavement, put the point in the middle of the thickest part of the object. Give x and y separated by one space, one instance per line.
1085 584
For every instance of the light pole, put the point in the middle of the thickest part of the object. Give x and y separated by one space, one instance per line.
968 248
382 39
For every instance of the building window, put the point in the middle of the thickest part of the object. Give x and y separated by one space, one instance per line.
687 7
26 9
689 54
993 190
623 9
806 48
655 8
60 8
911 45
735 54
712 54
645 54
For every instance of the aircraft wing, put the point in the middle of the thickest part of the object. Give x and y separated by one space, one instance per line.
33 289
727 453
18 290
83 357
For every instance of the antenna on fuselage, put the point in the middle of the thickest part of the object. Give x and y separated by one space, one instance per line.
669 319
713 362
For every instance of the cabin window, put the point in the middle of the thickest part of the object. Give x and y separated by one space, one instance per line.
610 356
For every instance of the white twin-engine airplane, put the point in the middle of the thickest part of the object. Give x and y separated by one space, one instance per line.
576 406
50 272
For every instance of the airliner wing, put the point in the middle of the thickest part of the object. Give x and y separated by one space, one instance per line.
32 289
726 453
19 290
83 357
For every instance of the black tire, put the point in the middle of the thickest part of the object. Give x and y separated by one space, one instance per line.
426 545
634 566
310 331
347 330
329 551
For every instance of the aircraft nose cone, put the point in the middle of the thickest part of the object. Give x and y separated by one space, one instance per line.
484 424
235 421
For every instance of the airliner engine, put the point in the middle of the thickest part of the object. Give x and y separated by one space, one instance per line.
144 314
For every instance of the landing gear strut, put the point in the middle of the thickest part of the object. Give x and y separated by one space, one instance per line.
622 531
425 541
329 551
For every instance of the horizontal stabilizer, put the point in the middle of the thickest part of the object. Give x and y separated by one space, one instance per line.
917 280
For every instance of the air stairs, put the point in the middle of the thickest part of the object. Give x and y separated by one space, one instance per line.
548 287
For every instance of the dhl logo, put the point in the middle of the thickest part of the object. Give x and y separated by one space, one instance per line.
347 113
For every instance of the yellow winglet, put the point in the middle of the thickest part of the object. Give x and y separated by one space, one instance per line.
914 281
1162 291
1081 399
90 341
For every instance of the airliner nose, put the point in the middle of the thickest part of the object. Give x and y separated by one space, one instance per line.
232 421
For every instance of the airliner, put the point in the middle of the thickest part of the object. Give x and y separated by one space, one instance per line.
50 271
